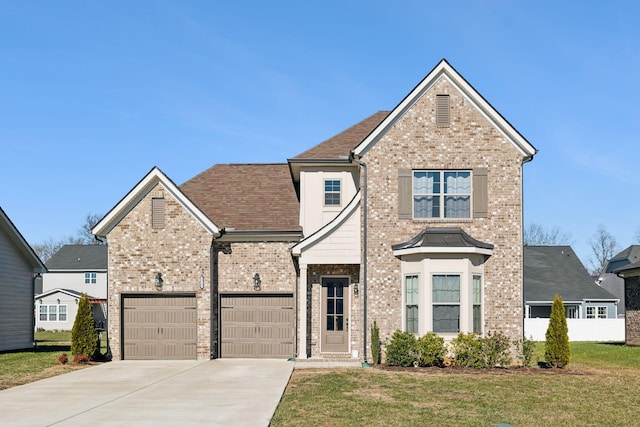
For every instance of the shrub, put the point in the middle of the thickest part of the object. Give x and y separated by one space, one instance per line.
430 350
526 348
376 350
84 338
63 359
495 350
556 346
80 359
467 350
401 350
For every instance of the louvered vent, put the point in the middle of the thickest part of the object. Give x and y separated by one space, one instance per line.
157 212
442 111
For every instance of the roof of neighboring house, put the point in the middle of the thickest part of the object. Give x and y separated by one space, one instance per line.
551 270
20 243
628 256
340 145
628 267
246 197
79 257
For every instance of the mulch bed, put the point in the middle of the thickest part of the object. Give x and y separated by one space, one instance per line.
453 370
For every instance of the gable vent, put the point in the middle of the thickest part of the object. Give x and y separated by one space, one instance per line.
157 212
442 111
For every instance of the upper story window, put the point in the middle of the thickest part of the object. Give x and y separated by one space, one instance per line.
332 192
90 278
441 194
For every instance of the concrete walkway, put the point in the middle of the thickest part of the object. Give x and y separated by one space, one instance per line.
224 392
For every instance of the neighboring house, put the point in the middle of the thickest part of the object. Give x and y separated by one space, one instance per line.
556 270
73 270
411 218
19 267
630 273
611 282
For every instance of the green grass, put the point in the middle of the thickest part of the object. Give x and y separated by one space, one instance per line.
599 387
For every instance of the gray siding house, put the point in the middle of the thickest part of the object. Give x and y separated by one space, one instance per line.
19 266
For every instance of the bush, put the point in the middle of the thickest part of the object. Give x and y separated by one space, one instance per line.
556 346
401 350
84 338
495 350
80 359
63 359
430 350
376 350
467 350
526 348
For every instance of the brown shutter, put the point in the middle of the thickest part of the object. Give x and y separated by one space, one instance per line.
480 193
405 194
442 111
157 212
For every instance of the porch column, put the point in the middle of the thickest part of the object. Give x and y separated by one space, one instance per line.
302 313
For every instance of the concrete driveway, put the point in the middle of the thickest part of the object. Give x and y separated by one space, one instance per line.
225 392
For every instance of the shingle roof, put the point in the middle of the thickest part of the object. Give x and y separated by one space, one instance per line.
442 237
627 256
247 197
340 145
551 270
79 257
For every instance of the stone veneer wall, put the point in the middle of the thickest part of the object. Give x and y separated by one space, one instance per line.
414 142
180 251
632 310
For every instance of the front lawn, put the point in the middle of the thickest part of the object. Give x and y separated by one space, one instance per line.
599 387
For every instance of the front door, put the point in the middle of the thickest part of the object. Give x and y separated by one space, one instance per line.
335 321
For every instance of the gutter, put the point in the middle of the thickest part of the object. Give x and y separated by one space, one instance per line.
364 257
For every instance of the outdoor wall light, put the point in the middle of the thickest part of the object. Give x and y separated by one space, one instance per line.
159 281
356 290
256 282
58 301
201 282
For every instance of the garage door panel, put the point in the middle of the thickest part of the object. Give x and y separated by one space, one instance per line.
159 327
257 326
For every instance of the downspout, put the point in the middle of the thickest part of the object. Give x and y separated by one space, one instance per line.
364 259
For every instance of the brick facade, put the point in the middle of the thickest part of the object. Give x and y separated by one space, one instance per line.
415 142
180 251
632 310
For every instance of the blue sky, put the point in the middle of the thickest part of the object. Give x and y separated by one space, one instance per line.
93 94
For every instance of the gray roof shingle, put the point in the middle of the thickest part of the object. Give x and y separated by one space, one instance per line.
79 257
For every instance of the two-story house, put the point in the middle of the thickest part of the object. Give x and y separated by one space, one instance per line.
411 218
72 271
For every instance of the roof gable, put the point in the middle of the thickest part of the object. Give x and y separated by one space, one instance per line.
20 243
124 206
247 197
551 270
79 257
445 71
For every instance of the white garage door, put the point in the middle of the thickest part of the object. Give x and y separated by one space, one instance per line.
257 326
159 326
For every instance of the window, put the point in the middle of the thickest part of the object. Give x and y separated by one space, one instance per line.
43 313
597 312
571 312
332 192
411 303
52 313
477 304
446 303
90 278
62 313
441 194
157 212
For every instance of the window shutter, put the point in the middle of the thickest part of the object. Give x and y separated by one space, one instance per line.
442 111
480 193
157 212
405 193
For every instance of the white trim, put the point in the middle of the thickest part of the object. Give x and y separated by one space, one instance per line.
444 70
140 191
328 228
442 250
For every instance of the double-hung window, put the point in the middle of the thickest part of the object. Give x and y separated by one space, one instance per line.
332 192
441 194
411 303
477 304
597 312
446 302
90 278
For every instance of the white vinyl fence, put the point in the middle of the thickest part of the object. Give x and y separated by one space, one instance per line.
579 329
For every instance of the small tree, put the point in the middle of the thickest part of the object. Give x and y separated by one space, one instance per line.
376 350
556 346
84 338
